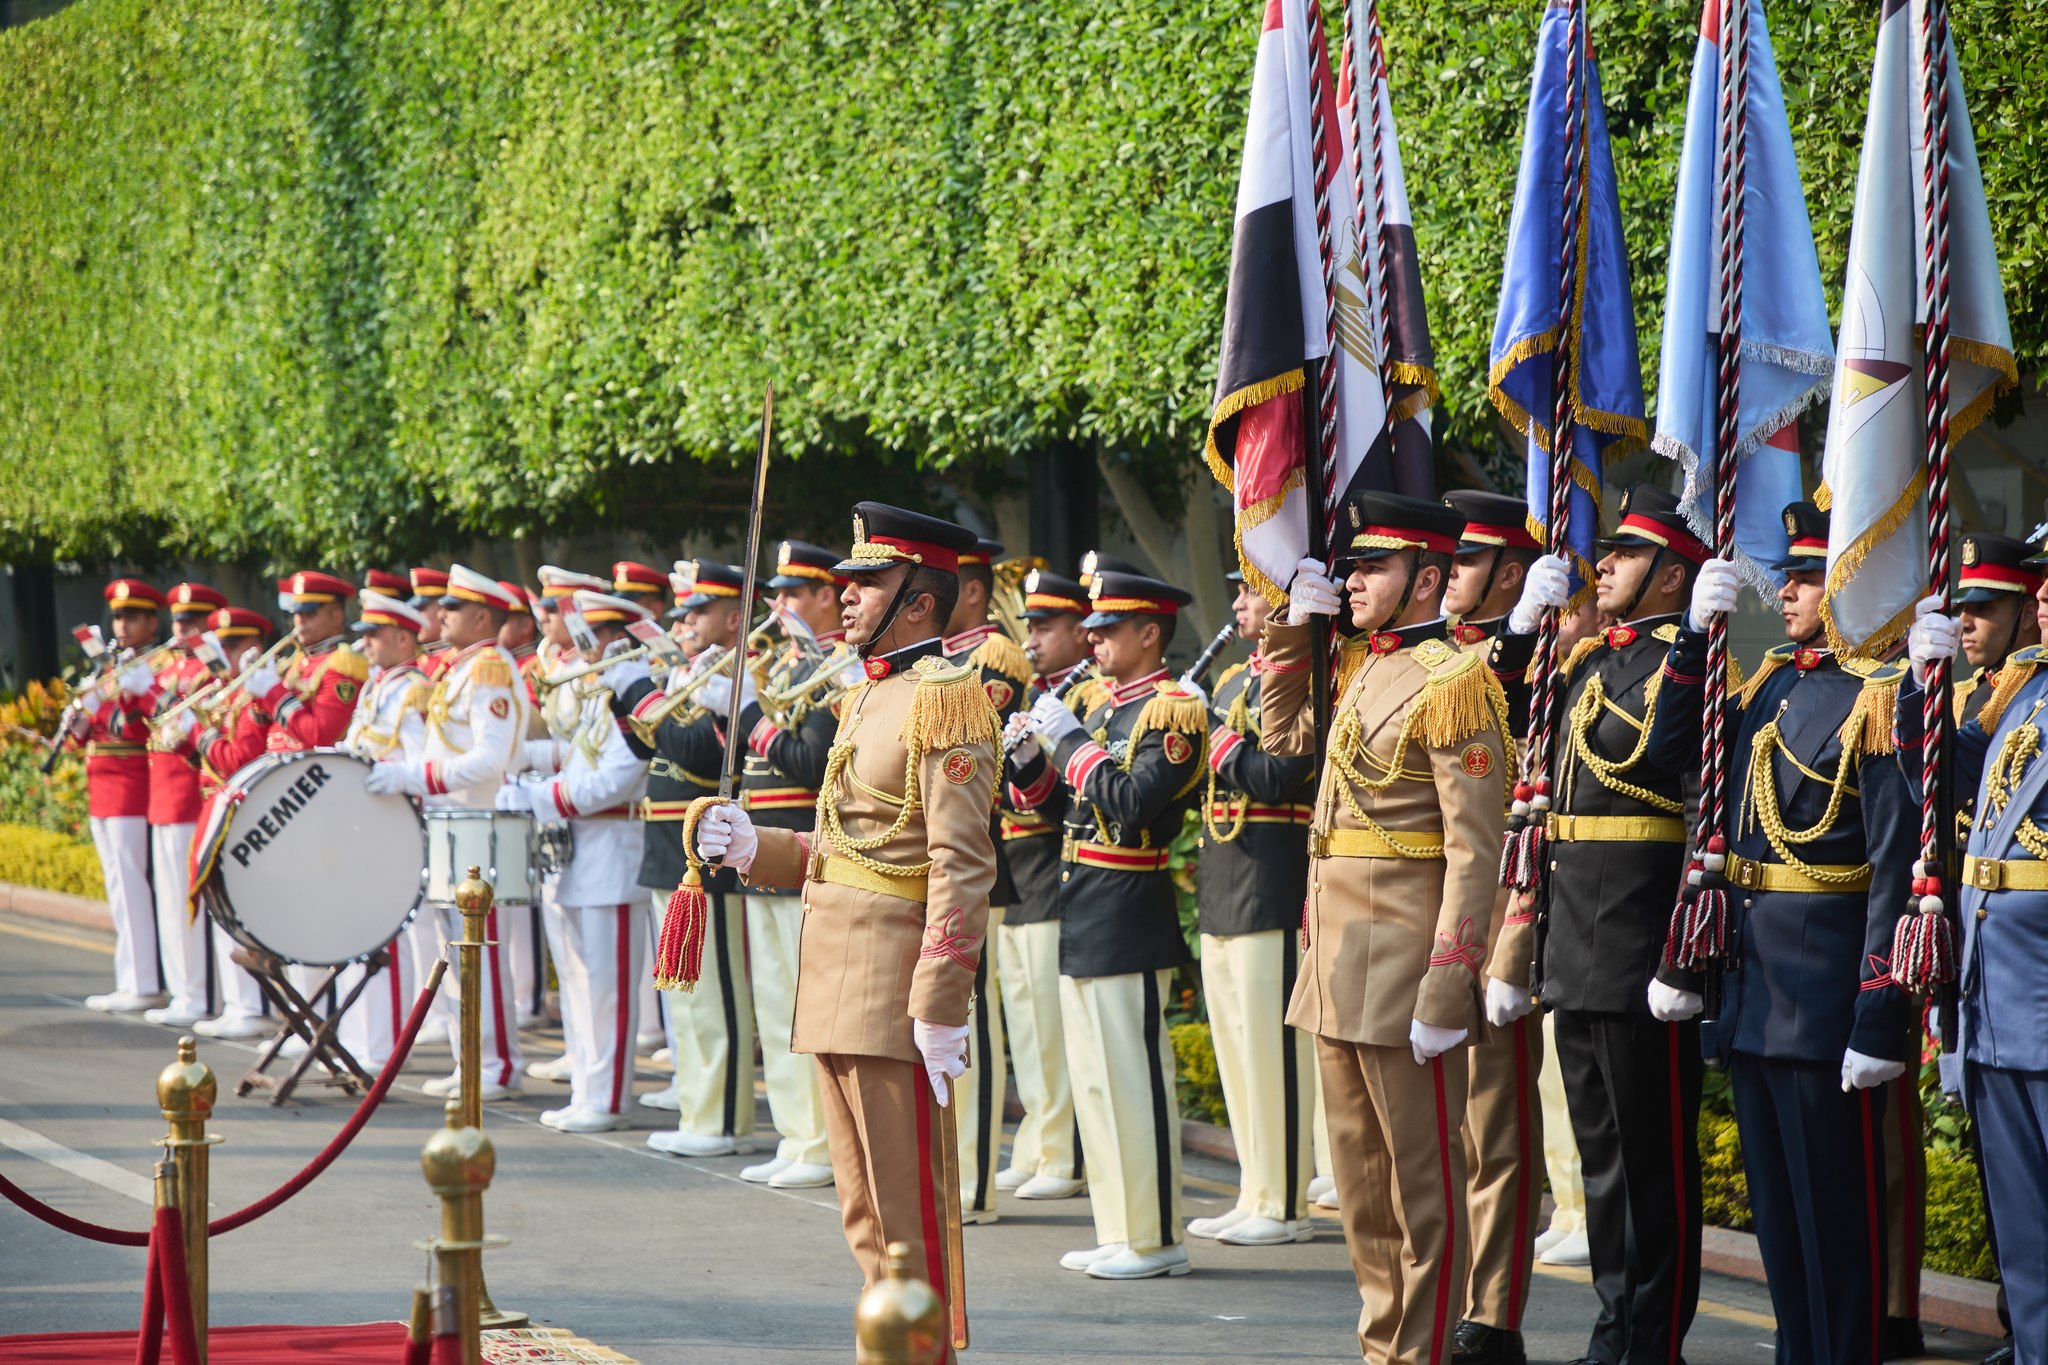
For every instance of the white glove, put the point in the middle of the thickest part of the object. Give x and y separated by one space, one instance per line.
512 797
1933 637
1052 722
623 675
1547 584
263 682
177 727
1193 689
1671 1005
81 724
397 778
1506 1003
248 657
136 679
1015 728
1865 1073
1713 592
1429 1041
1312 594
540 803
715 696
945 1053
726 834
540 756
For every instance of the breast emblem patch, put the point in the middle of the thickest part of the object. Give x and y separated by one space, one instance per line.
1477 760
959 767
999 692
501 707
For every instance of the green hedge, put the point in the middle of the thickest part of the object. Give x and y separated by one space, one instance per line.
55 862
467 262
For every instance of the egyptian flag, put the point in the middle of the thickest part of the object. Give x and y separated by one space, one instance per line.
1788 344
1874 474
1606 379
1274 320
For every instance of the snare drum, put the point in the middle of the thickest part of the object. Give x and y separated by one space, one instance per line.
297 860
500 842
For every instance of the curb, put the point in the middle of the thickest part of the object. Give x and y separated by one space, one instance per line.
80 912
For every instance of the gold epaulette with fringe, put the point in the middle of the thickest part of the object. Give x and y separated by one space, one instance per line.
949 707
1005 656
2013 674
1351 656
1086 696
1230 674
491 671
1171 708
1960 700
1668 632
417 696
1580 650
1740 693
343 663
1868 729
1462 697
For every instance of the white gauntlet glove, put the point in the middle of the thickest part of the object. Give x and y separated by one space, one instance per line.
944 1047
1053 722
1671 1005
136 679
1933 637
1312 594
399 777
1713 593
726 834
1860 1072
1506 1003
1548 584
1430 1042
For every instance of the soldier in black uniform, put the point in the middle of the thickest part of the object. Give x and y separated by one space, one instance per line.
1130 766
1617 847
1253 873
1045 1155
1820 838
975 640
712 1029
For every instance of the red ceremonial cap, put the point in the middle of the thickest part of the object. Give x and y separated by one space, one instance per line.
232 622
310 588
628 576
518 597
467 585
196 599
604 608
429 583
559 582
389 583
125 594
382 609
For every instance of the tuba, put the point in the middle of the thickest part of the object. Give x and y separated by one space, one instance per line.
1006 598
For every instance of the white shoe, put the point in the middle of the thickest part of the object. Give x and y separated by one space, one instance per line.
1009 1179
1081 1260
1320 1186
651 1042
971 1217
587 1121
233 1026
553 1069
550 1117
1329 1200
801 1175
1141 1265
1573 1250
1266 1232
678 1143
1212 1227
447 1087
122 1002
661 1099
173 1016
293 1048
441 1087
1048 1187
1549 1238
662 1056
766 1171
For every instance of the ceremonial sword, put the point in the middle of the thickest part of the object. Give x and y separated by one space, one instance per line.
728 768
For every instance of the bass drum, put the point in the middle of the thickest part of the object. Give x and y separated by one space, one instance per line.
296 859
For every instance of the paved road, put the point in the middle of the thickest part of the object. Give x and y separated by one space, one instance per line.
664 1259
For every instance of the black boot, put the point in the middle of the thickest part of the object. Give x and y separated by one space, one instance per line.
1900 1339
1474 1343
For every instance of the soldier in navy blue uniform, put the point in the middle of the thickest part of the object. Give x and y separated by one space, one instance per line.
1821 832
2003 1048
1617 845
1131 766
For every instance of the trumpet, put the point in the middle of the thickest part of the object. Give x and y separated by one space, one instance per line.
824 685
209 700
701 671
1006 600
549 682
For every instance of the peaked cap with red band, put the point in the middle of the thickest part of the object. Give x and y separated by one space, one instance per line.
1114 596
309 588
1806 536
800 564
634 578
389 583
429 583
603 608
1493 521
231 623
467 585
376 609
885 535
1047 594
1994 567
559 582
132 594
1650 516
1382 524
196 599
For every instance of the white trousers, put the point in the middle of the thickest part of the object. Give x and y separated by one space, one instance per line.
600 956
980 1092
181 936
1560 1148
1265 1066
123 845
371 1027
240 996
1028 973
711 1029
775 926
502 1063
517 947
1121 1060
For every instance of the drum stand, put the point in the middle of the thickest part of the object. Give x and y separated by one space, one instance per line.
302 1020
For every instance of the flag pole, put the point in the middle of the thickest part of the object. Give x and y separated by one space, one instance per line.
1320 458
1923 947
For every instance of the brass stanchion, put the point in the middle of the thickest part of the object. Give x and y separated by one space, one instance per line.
474 897
185 1092
458 1163
900 1320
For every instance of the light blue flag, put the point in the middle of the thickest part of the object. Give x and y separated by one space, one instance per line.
1788 352
1606 379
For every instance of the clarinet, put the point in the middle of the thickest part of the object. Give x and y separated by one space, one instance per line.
1073 680
1207 659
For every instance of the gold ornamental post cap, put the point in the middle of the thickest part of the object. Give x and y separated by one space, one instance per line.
473 893
186 1088
458 1160
900 1321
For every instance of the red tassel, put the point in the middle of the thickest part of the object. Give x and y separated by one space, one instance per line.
1923 950
679 957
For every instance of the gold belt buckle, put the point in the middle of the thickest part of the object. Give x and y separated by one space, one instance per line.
1318 843
1747 872
814 867
1986 874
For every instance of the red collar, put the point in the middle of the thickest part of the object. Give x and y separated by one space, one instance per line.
1618 637
882 665
1466 633
1257 663
1051 680
1136 688
1806 658
968 639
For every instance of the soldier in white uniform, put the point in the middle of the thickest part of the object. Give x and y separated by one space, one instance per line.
390 721
597 783
476 716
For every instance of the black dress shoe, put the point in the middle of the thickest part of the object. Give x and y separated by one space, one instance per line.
2001 1356
1900 1339
1474 1343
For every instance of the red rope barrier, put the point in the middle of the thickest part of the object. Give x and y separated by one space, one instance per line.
149 1338
177 1292
97 1232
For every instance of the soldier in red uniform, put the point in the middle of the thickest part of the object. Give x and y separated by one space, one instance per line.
111 726
174 819
310 701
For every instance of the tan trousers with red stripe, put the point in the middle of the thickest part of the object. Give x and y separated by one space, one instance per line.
883 1126
1504 1156
1400 1170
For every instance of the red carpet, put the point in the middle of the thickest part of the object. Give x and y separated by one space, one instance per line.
368 1343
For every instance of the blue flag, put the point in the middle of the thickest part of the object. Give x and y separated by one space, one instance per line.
1788 350
1606 378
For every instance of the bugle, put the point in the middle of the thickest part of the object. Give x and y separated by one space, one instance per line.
702 670
549 682
209 703
824 685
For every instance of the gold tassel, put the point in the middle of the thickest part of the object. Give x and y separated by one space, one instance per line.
1456 703
1868 730
492 671
1741 693
1351 656
1172 709
344 663
1581 650
1005 656
949 708
2011 678
1960 699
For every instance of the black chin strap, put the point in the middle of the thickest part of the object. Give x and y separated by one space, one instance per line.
1492 576
1414 558
1628 613
866 651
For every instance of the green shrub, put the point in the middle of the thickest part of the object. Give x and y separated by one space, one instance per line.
1958 1243
55 862
1200 1086
1724 1192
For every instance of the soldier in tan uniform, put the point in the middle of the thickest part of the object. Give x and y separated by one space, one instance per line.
1404 862
895 878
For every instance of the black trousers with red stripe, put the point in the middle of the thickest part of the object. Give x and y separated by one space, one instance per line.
1814 1158
1633 1087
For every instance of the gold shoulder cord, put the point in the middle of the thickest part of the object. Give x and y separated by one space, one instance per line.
440 706
1348 750
1239 719
1585 714
1760 804
2022 745
832 830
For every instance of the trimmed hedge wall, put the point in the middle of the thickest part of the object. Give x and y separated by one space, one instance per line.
469 261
